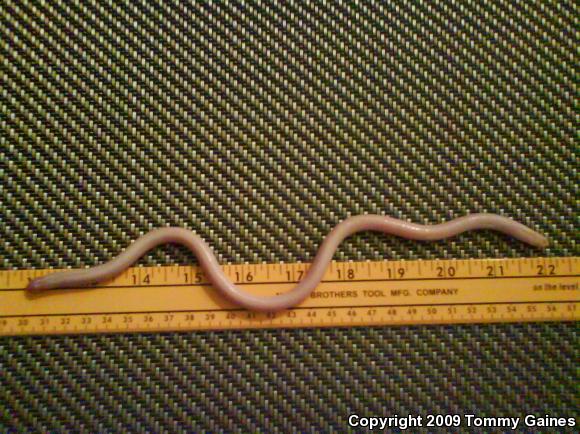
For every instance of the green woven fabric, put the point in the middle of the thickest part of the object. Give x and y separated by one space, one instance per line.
260 126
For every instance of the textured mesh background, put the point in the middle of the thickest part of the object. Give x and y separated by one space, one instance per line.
260 126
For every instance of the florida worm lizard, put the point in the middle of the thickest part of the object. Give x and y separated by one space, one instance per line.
216 276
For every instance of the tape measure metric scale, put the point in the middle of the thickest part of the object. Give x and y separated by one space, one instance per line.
172 298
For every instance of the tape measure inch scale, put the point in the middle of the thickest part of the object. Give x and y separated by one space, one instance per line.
172 298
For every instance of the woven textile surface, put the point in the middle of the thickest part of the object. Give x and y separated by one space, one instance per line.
260 126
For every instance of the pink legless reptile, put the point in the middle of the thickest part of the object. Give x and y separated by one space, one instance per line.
215 274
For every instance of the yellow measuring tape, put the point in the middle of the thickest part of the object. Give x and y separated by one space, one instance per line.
172 298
